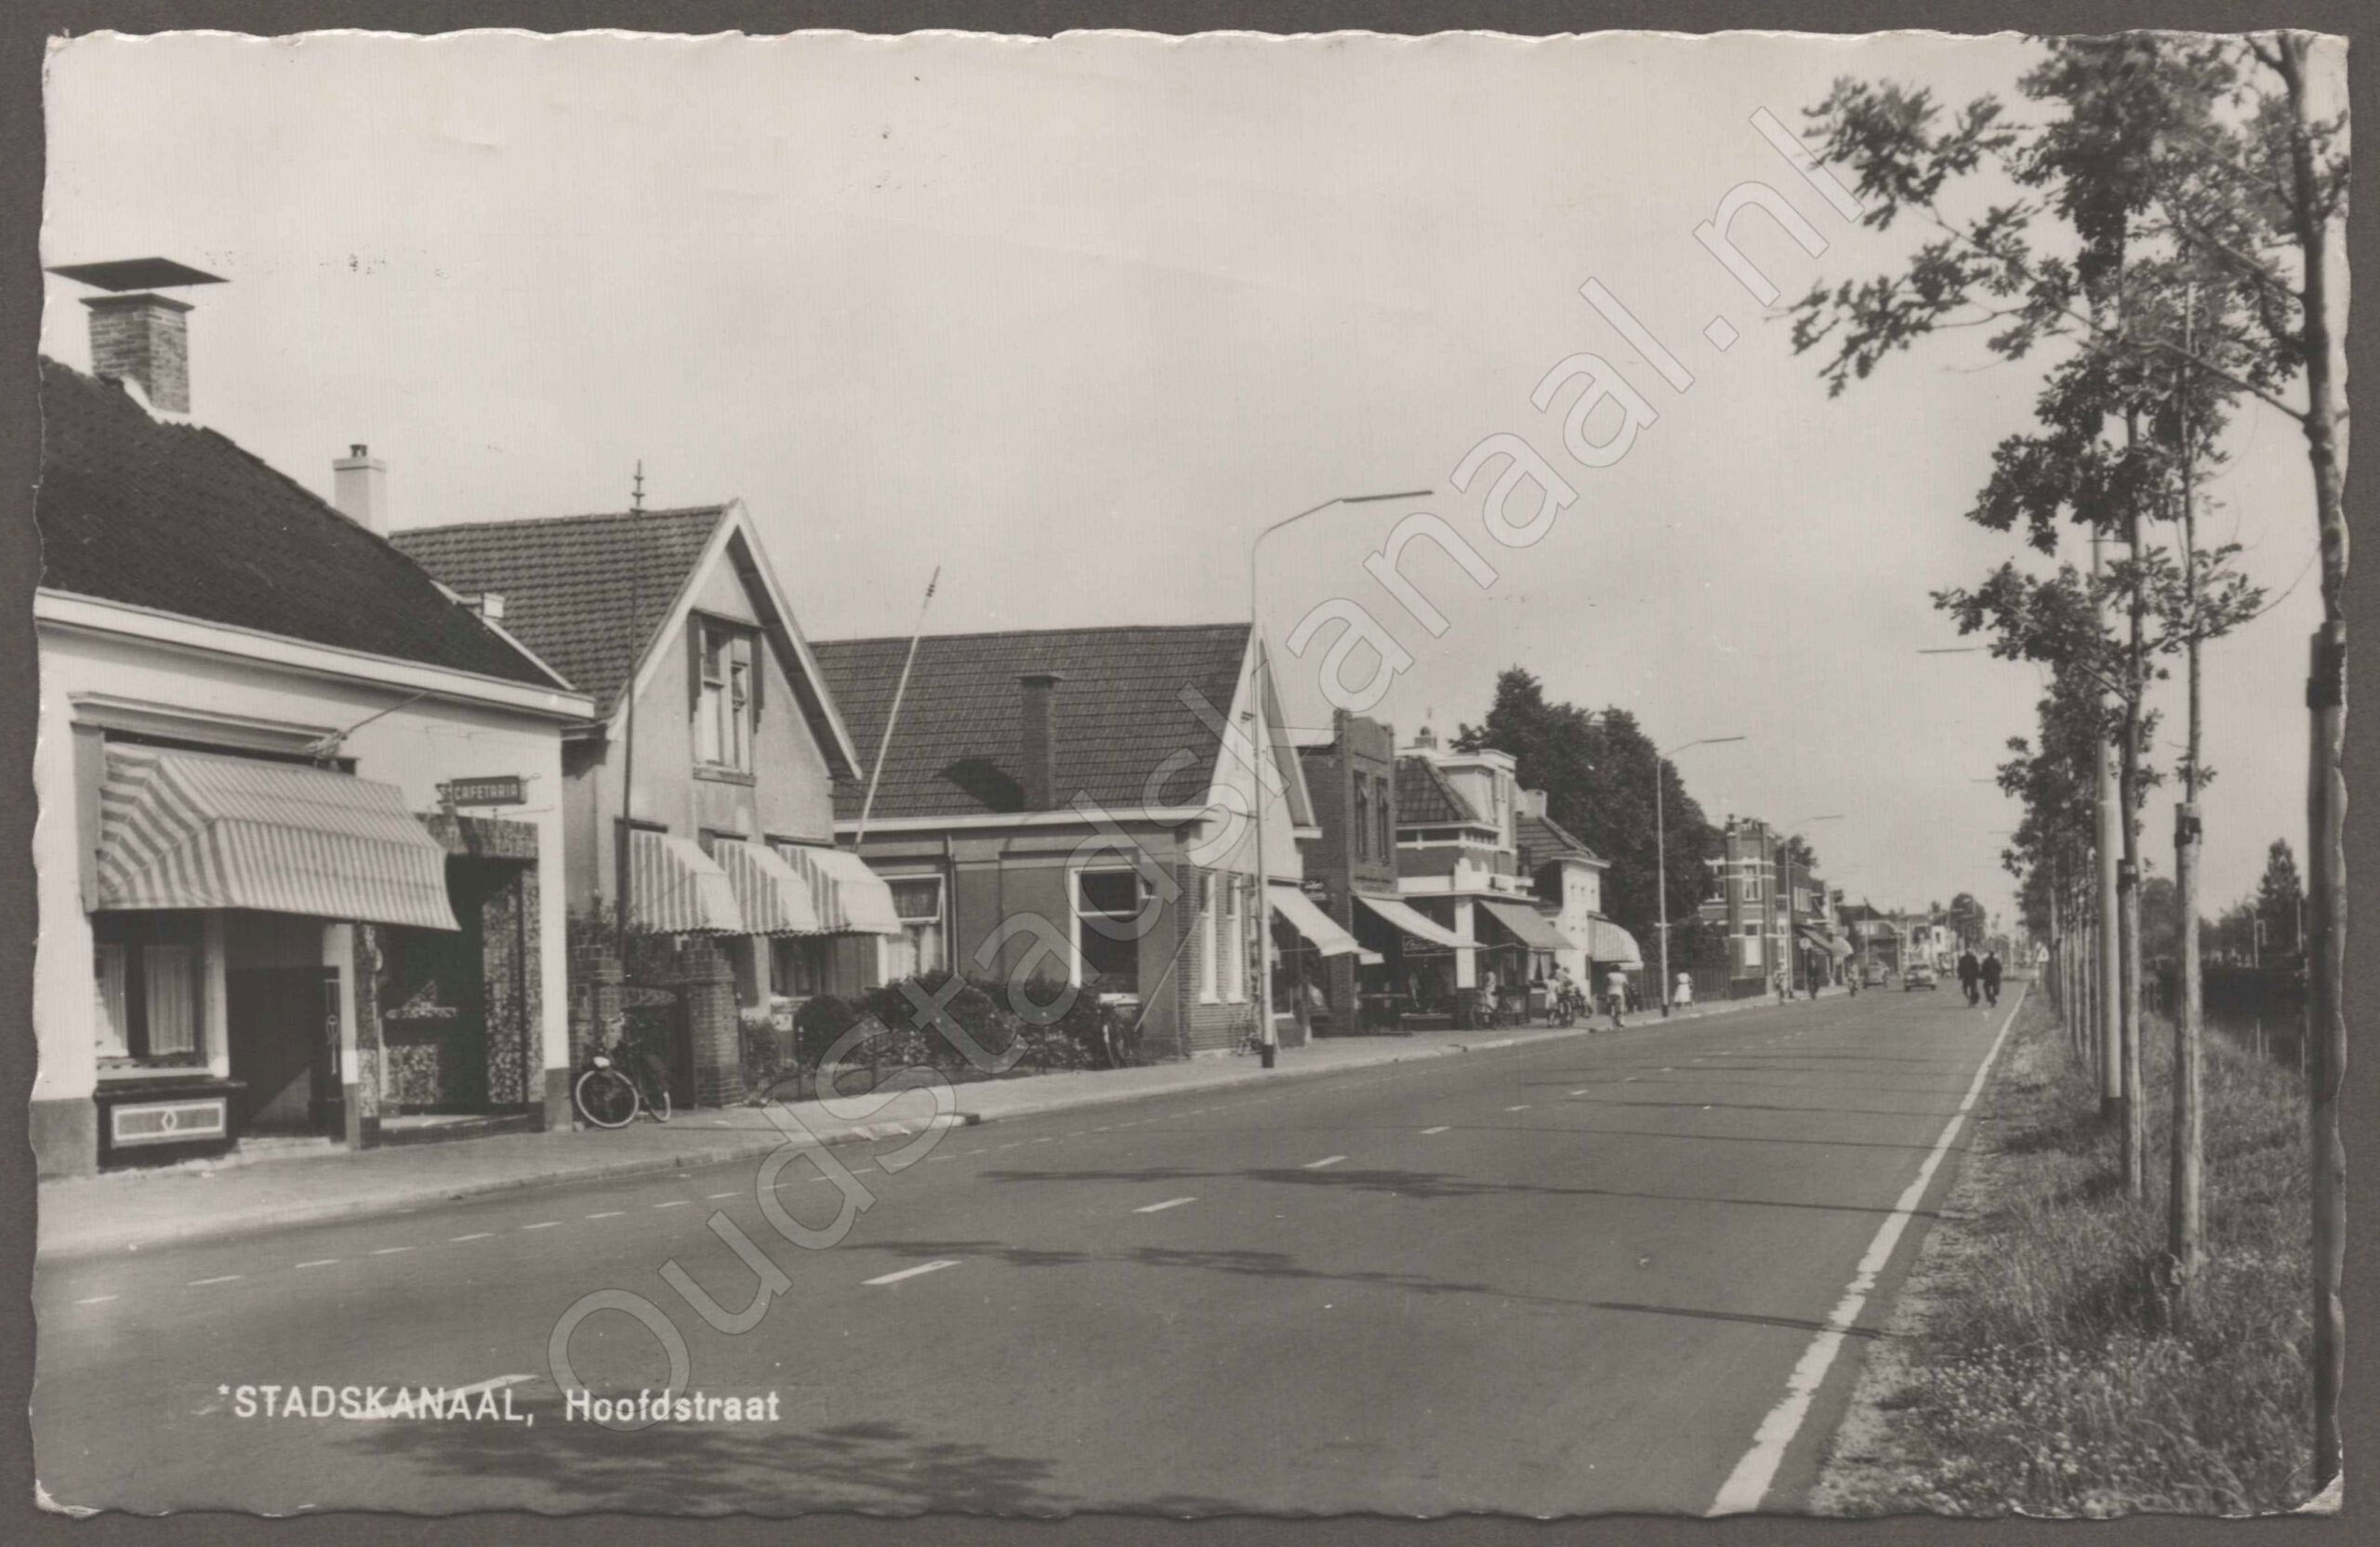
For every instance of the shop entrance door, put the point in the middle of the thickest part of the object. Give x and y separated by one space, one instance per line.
285 1047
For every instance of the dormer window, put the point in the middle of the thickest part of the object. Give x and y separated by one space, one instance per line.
726 695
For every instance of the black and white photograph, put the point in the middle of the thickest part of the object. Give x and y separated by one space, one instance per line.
1219 775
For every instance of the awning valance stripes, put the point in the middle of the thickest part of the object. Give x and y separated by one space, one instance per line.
677 889
1613 946
197 830
1526 925
1303 915
772 898
848 897
1409 920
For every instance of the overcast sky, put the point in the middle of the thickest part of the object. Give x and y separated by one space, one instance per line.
1076 319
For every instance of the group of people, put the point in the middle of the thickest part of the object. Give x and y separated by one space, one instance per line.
1980 979
1617 992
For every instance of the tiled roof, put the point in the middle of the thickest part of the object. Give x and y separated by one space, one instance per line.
1543 840
180 519
1120 723
1425 797
585 592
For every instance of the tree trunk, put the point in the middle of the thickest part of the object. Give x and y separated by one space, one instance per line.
2106 963
2135 1110
2324 1045
2185 1205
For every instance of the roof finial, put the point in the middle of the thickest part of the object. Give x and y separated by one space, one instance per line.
635 505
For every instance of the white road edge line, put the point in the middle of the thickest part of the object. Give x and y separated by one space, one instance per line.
1161 1208
1326 1160
934 1266
1748 1482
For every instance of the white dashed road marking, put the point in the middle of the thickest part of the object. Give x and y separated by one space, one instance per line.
1326 1160
713 1196
317 1262
219 1278
608 1214
474 1236
673 1203
1522 1107
98 1299
1161 1208
935 1267
542 1224
1440 1128
391 1250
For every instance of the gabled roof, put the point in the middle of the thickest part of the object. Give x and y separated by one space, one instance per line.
1542 840
601 594
585 592
179 519
1120 723
1425 797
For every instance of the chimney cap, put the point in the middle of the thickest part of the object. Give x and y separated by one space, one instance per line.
135 273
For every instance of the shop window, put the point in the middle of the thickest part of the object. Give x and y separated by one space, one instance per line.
726 695
799 965
919 947
148 986
1107 930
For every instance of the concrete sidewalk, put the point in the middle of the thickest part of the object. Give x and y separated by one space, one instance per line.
125 1210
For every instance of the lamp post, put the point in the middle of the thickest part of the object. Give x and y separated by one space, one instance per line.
1785 876
1661 852
1261 758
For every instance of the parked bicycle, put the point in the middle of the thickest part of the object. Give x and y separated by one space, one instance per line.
619 1083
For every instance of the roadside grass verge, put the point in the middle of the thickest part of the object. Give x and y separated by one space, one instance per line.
2037 1366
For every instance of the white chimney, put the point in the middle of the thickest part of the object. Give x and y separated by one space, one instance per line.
359 489
492 606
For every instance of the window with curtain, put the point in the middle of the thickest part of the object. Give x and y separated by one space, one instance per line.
148 986
726 695
920 948
798 968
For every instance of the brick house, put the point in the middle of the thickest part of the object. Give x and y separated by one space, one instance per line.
712 716
1458 867
1351 772
261 916
1080 803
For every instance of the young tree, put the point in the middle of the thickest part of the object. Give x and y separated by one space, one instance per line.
2280 902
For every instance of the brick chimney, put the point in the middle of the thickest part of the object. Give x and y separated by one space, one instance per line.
1037 747
360 488
137 336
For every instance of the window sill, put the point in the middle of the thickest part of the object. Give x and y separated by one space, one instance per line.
724 775
119 1072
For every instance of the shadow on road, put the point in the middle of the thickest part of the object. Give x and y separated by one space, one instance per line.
877 1468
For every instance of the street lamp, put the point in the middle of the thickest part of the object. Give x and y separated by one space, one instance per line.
1785 874
1661 851
1261 754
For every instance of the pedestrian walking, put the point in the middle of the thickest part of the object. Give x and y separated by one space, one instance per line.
1990 971
1683 991
1970 975
1615 993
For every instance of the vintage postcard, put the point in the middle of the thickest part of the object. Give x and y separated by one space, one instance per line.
1191 776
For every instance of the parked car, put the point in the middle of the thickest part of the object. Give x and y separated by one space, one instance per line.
1919 974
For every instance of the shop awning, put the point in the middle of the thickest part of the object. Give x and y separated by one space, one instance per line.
1526 925
1408 921
679 890
1827 943
772 899
1612 946
193 830
848 897
1302 915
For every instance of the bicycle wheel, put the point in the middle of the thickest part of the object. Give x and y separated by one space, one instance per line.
657 1102
606 1098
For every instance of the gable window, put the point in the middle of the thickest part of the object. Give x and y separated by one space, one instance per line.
147 983
1107 930
726 695
918 902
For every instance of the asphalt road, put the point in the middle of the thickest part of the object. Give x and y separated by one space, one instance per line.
1618 1272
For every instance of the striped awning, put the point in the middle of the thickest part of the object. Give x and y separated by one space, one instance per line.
1412 922
1612 945
1526 925
774 899
196 830
848 897
677 889
1303 915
